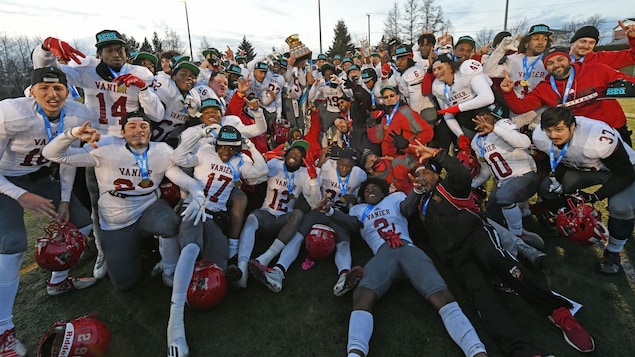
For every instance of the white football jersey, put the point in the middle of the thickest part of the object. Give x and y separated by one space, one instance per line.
506 151
461 90
297 83
410 88
332 187
321 91
517 73
592 141
105 99
275 83
178 108
382 218
282 190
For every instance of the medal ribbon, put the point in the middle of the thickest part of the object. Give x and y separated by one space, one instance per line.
289 180
566 89
555 161
344 185
47 123
389 117
236 171
528 70
482 144
447 93
142 162
367 210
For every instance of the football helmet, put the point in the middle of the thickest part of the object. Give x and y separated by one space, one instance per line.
207 287
281 130
82 336
468 159
320 242
170 192
61 246
580 222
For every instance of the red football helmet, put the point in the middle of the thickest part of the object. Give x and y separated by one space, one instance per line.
207 287
320 242
170 192
580 223
468 159
61 246
281 130
82 336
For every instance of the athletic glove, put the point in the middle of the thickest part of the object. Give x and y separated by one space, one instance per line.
392 238
196 209
399 141
62 50
385 71
555 186
452 110
209 131
131 80
309 161
464 142
247 144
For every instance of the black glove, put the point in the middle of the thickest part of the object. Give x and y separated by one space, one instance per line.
370 121
399 141
480 191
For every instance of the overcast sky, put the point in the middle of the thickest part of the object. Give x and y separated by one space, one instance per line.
268 23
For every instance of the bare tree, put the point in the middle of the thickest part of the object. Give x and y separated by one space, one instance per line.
573 25
412 20
172 41
483 37
519 27
391 24
15 64
432 18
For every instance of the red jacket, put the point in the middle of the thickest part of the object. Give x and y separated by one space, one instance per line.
235 107
614 59
590 82
413 125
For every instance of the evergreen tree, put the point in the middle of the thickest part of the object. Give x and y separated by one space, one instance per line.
341 41
157 44
146 46
131 43
248 48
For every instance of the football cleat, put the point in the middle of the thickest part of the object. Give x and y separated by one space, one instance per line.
348 281
610 263
269 277
10 346
69 284
232 273
168 279
100 269
533 239
573 332
533 255
242 282
177 344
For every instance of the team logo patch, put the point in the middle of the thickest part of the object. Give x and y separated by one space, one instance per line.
107 36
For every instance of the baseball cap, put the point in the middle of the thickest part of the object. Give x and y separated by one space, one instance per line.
347 59
108 37
176 59
240 58
145 55
326 66
369 74
301 144
499 37
403 50
228 135
261 66
337 57
555 51
283 63
466 39
186 64
348 153
235 69
375 54
443 58
392 88
322 56
586 31
48 75
539 29
209 103
353 67
135 115
211 51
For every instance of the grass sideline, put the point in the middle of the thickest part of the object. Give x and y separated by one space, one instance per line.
306 319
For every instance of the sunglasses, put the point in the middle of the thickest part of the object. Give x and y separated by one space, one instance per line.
389 96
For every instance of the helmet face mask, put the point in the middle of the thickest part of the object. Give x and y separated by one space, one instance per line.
207 287
580 223
61 246
468 159
320 242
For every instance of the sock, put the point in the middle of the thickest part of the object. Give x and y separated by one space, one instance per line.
360 329
58 276
183 274
272 252
514 218
460 329
290 252
343 258
615 245
9 282
247 239
86 229
169 249
233 247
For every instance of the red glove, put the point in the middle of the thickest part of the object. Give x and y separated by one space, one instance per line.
309 162
62 50
385 70
131 80
452 110
276 153
464 142
392 238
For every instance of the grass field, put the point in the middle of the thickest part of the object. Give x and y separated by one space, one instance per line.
305 319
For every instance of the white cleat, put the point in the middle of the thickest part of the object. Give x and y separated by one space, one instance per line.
100 270
177 344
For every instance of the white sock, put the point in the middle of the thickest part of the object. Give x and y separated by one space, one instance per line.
9 282
233 247
169 249
615 245
183 274
274 249
290 252
343 258
460 329
247 239
58 276
514 218
360 329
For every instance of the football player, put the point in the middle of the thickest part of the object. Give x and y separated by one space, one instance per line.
26 125
267 86
128 173
381 218
460 234
326 92
219 168
287 181
585 152
298 78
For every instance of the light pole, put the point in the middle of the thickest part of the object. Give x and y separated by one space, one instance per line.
368 28
189 37
506 8
320 24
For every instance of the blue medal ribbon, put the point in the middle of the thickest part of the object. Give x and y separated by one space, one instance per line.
424 208
567 89
447 93
47 123
389 117
142 162
236 170
372 98
115 74
289 180
367 210
344 185
574 60
554 161
528 70
480 141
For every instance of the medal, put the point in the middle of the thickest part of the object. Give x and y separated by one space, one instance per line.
524 82
238 183
385 127
552 174
481 159
121 89
342 199
145 183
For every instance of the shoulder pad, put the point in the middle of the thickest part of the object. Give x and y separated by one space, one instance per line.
471 67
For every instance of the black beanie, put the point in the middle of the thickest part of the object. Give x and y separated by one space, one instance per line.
586 31
499 37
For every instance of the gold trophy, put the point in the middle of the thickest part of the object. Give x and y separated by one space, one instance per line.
297 49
